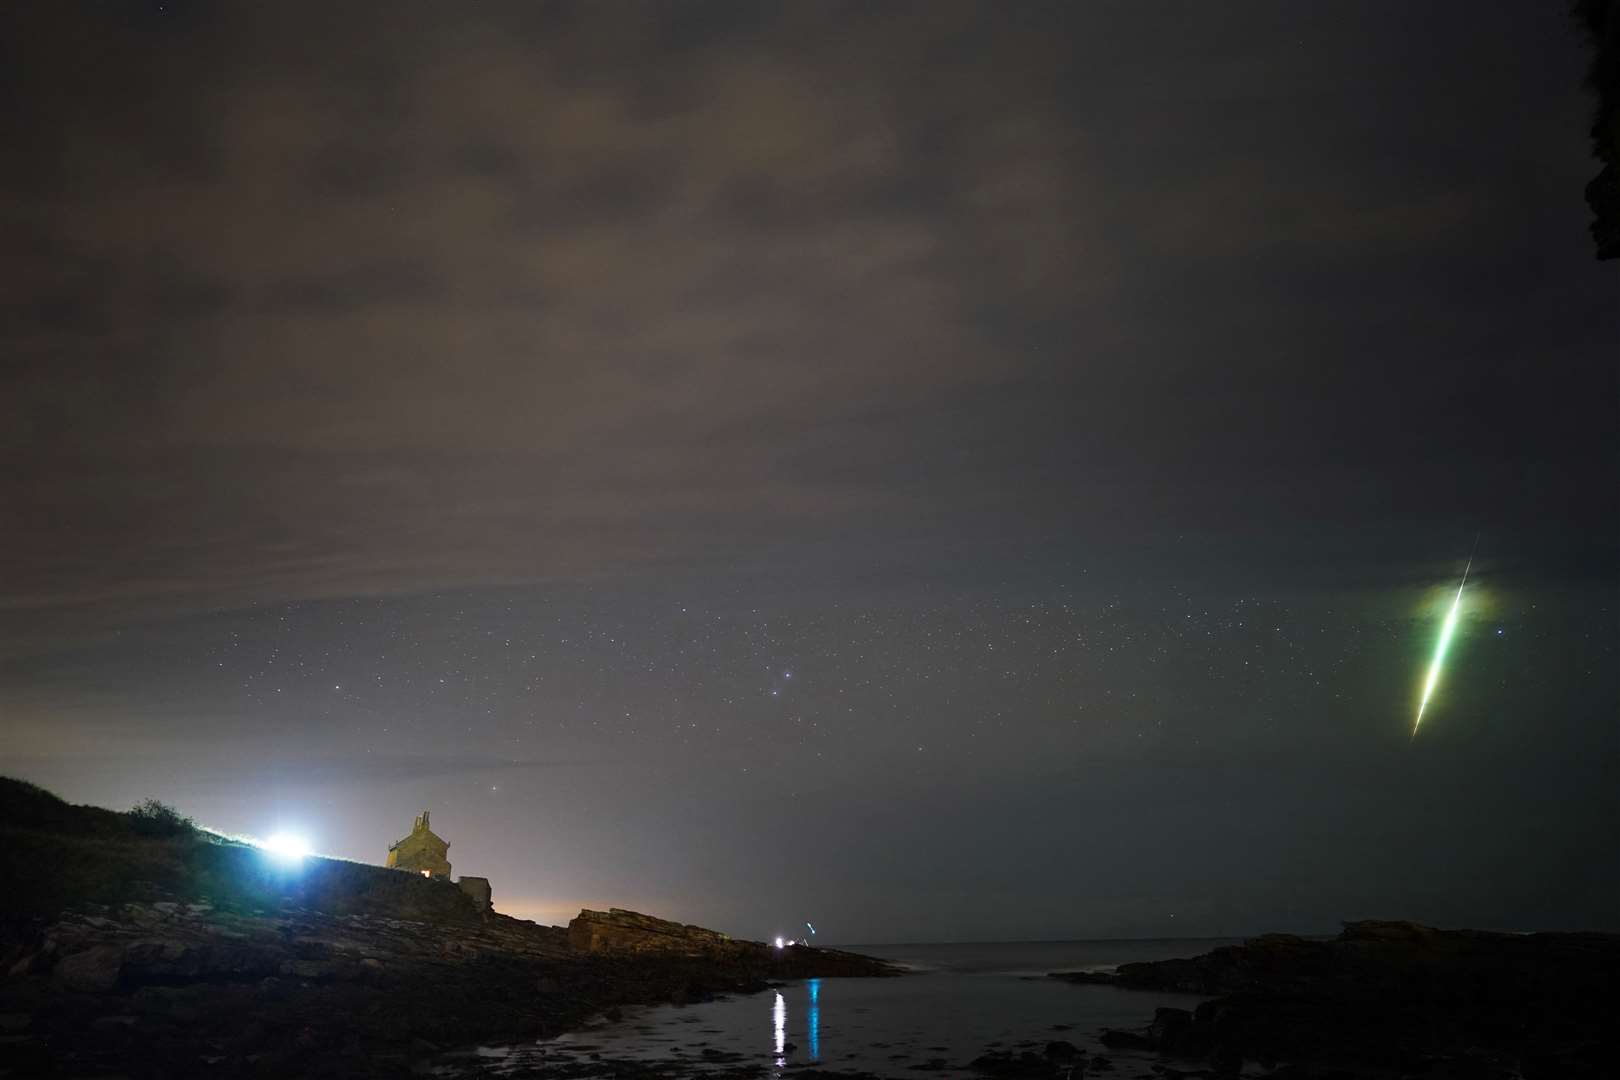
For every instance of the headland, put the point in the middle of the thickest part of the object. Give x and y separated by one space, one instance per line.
139 945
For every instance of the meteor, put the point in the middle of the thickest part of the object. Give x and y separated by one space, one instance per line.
1446 630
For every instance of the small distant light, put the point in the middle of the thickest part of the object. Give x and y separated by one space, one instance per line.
288 847
780 943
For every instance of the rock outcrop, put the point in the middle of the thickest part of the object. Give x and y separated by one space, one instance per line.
618 930
620 933
172 988
1393 996
174 952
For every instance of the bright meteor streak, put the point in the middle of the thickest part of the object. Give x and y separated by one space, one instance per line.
1446 630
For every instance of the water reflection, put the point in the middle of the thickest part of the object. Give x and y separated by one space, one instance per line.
779 1021
813 1018
877 1026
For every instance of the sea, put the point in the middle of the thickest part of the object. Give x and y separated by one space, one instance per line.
956 1003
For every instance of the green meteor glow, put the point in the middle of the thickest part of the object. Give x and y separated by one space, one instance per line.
1446 631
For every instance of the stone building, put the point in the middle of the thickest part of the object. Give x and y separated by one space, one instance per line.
478 889
423 852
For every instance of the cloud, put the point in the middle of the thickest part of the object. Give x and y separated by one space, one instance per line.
554 293
362 768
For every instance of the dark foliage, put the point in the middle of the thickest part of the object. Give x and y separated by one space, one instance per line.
1601 20
153 818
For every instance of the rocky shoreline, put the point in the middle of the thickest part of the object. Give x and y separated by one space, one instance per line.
138 945
1390 999
177 989
141 947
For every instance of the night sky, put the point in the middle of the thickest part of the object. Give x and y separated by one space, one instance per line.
944 472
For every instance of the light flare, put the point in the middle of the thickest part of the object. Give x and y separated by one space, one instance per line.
287 847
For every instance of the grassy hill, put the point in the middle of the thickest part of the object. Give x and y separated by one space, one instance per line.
54 855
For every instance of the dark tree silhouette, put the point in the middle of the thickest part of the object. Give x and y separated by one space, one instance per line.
1601 19
160 819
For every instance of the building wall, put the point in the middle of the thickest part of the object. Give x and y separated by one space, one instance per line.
478 889
421 851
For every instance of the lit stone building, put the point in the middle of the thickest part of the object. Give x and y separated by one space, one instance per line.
423 852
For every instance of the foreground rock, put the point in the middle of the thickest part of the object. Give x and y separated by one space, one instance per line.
621 932
618 930
1391 999
183 989
137 945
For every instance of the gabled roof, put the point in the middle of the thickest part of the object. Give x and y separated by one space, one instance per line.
419 828
426 835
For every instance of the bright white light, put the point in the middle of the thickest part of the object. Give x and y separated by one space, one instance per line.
780 943
779 1021
289 847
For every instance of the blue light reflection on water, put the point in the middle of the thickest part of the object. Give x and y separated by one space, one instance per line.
812 1018
812 1023
957 1002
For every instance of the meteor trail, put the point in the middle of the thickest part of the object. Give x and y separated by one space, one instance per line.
1445 640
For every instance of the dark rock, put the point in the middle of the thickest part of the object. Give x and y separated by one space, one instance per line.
1115 1039
1025 1064
1168 1026
24 1056
27 963
95 970
1182 1033
1060 1050
1390 996
299 992
1227 1060
1105 978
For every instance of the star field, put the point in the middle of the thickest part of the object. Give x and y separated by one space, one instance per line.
941 471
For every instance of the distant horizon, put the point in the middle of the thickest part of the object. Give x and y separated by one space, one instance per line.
571 910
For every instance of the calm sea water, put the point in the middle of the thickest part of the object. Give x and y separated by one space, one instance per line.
958 1002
